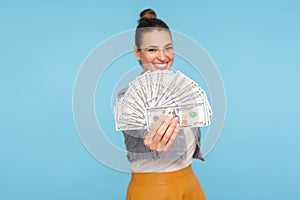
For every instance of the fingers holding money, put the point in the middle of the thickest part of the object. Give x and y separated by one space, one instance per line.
162 135
169 133
153 130
171 140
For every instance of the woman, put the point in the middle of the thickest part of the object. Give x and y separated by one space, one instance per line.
160 158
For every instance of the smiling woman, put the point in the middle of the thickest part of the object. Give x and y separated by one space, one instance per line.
153 42
156 51
160 158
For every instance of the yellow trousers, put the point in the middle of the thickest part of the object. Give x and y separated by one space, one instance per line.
178 185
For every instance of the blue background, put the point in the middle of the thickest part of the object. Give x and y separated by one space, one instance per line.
255 45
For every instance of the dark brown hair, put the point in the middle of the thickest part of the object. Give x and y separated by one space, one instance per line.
147 23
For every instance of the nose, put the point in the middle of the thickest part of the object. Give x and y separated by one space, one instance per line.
161 55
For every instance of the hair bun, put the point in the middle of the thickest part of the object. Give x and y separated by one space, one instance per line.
147 14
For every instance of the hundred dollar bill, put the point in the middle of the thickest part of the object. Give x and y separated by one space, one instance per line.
193 115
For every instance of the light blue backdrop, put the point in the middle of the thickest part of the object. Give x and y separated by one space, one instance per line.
255 45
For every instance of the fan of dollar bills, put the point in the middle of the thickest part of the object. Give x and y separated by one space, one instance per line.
153 94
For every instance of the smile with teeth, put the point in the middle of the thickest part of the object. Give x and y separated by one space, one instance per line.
161 65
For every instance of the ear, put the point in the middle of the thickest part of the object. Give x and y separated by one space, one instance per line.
137 53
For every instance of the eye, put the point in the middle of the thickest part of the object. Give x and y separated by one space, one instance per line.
169 48
152 50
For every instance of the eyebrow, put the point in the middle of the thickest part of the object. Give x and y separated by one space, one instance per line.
158 47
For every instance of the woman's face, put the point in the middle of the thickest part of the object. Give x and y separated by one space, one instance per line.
156 51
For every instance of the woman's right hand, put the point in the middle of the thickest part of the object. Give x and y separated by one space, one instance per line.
162 134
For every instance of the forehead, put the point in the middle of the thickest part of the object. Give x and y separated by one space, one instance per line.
157 38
